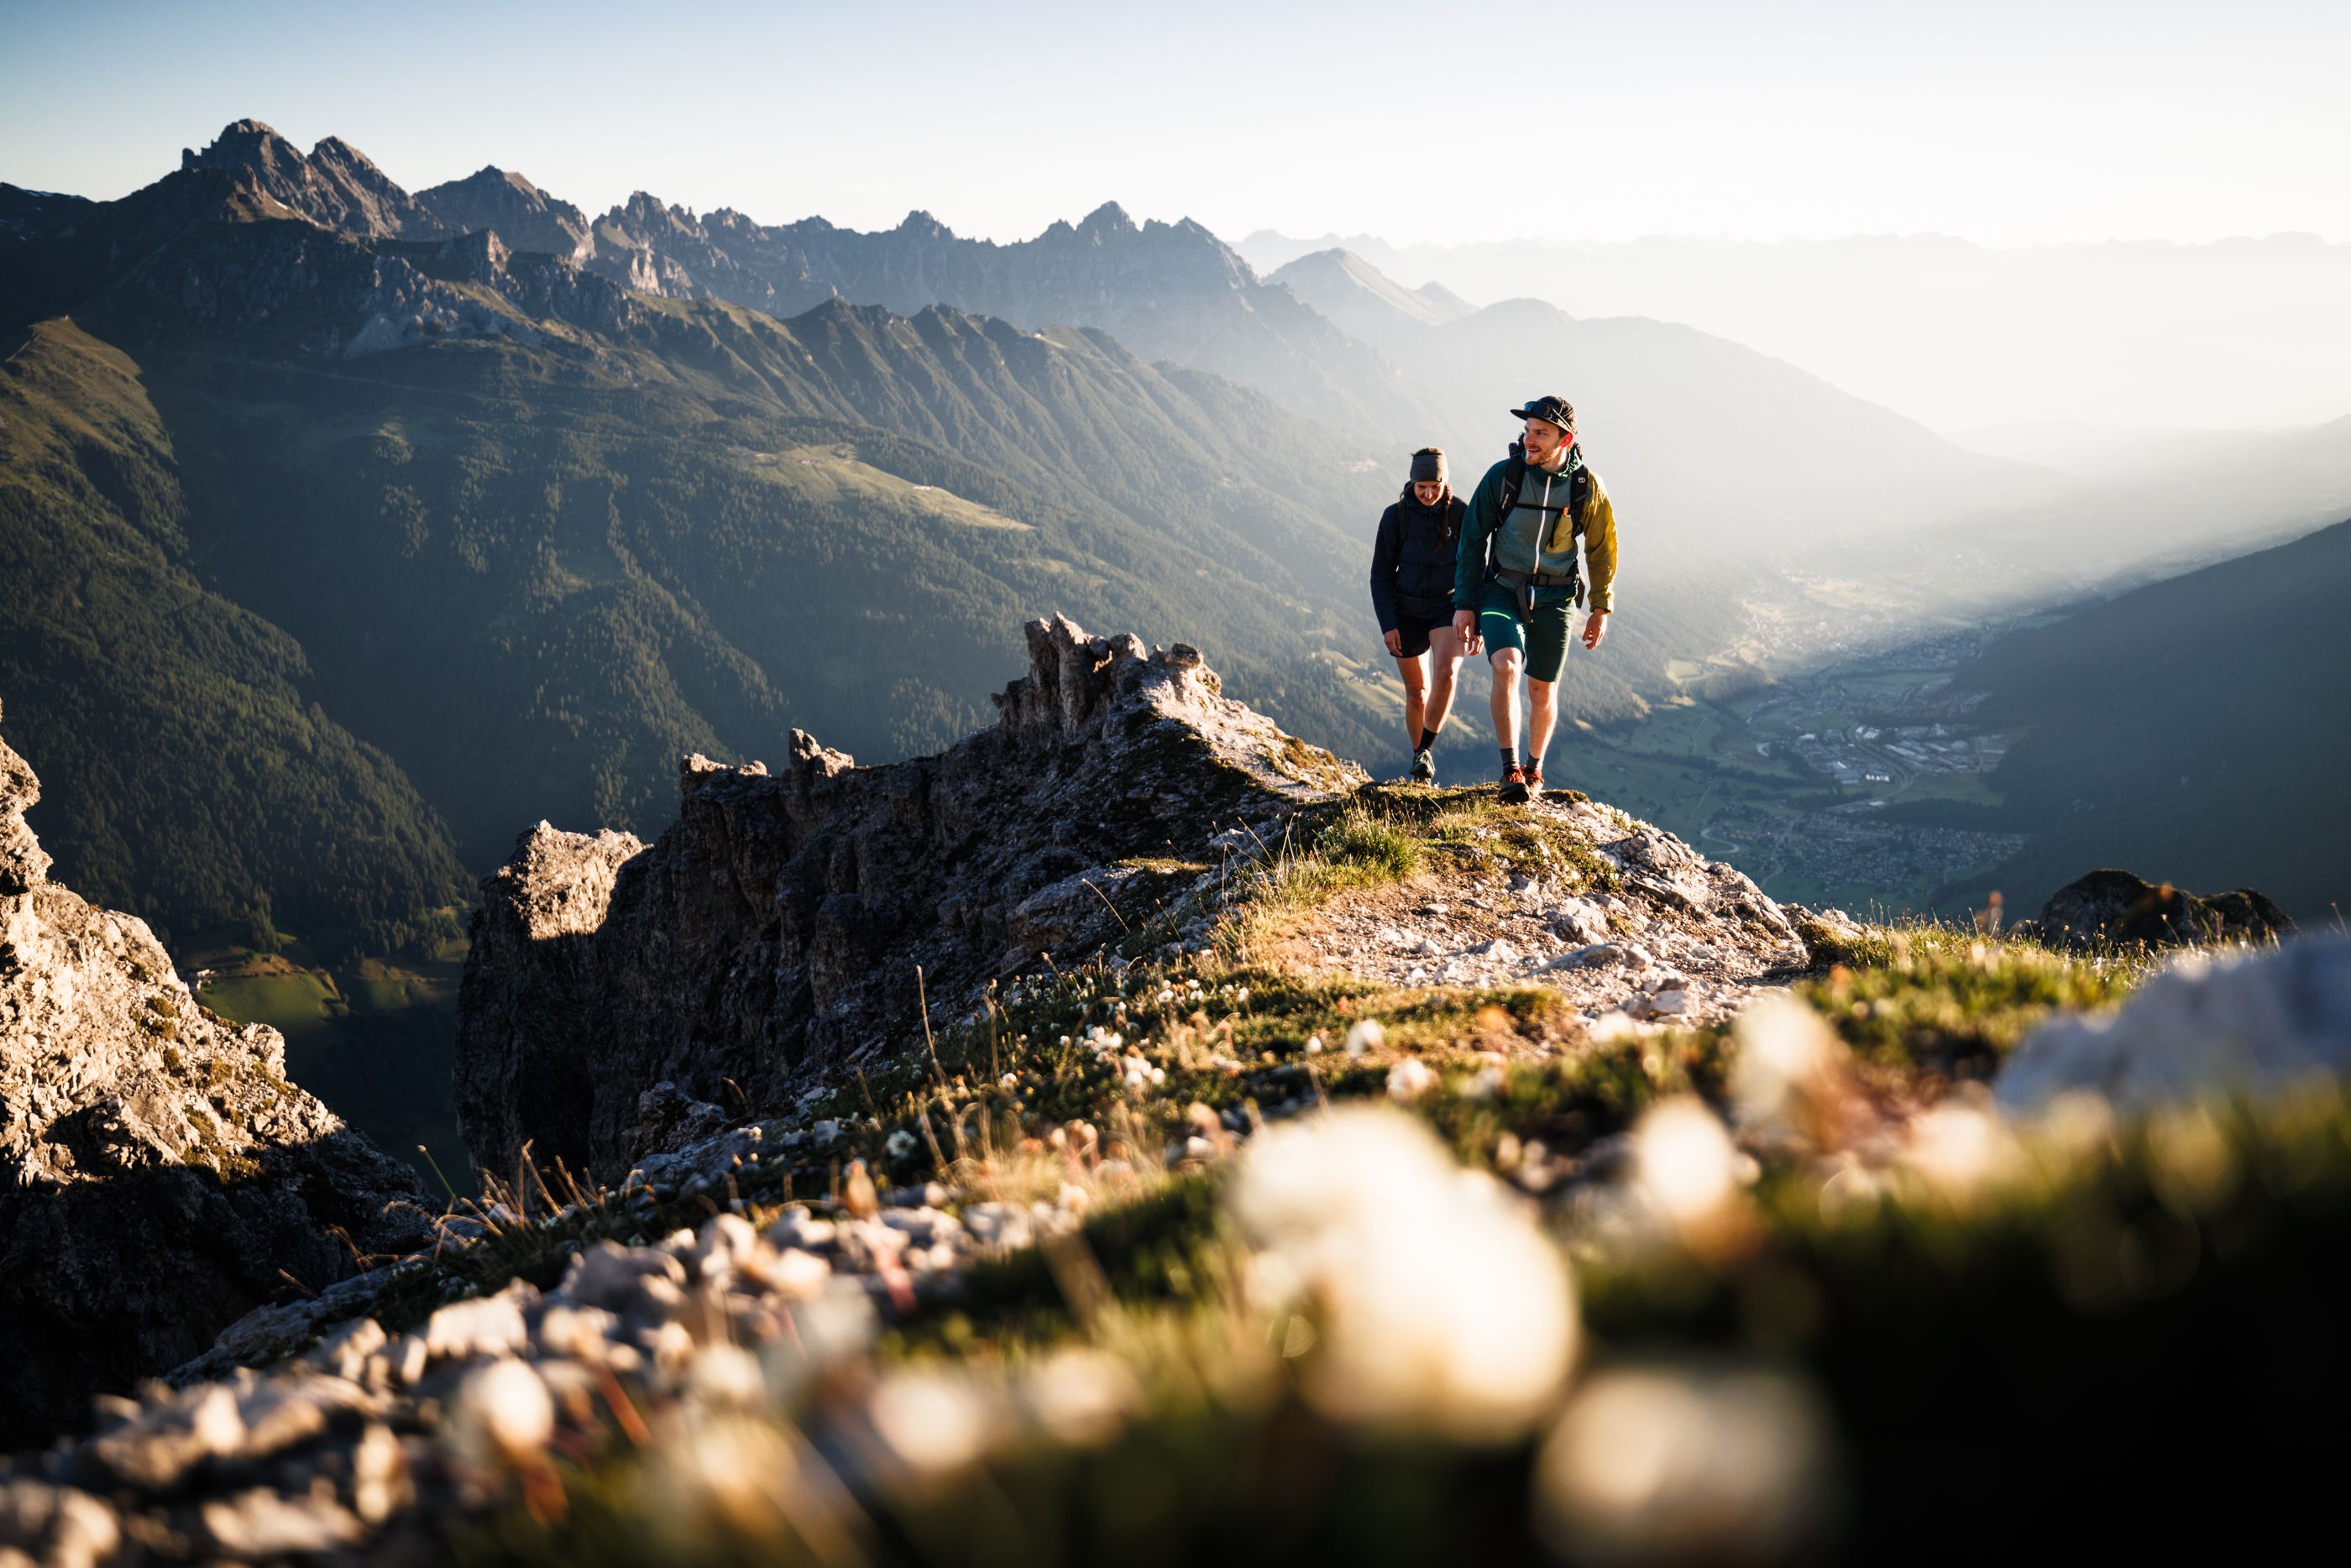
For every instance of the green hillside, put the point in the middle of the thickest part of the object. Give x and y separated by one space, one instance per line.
2189 730
190 774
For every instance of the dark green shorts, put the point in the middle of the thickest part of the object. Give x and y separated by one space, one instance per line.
1540 633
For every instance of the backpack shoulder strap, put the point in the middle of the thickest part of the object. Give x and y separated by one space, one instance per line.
1514 480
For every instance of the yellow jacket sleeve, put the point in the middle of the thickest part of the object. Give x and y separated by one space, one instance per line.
1596 521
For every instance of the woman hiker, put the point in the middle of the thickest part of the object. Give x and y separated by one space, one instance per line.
1412 593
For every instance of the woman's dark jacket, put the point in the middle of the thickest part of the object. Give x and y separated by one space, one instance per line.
1412 564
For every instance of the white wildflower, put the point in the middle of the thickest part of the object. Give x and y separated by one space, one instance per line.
1441 1306
1410 1079
1679 1464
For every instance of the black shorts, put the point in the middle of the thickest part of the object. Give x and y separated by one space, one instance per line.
1413 630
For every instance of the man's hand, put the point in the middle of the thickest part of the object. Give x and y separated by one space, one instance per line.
1595 629
1394 640
1465 628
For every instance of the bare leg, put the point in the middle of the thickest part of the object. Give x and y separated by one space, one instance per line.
1445 652
1507 663
1415 699
1543 704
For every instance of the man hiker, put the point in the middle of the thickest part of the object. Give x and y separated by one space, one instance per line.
1412 593
1516 584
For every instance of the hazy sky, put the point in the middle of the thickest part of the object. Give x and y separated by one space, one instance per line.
2003 123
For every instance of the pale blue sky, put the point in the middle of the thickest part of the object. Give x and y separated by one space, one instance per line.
2000 122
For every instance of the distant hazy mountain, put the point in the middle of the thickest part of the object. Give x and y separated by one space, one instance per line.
1168 291
2189 730
1708 442
2170 508
2240 333
1363 300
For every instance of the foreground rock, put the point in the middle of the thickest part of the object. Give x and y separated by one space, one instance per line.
158 1176
775 931
2115 909
2236 1024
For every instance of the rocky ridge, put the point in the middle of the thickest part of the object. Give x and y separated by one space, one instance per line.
768 938
158 1176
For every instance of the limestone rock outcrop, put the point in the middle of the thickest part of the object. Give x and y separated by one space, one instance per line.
774 932
158 1176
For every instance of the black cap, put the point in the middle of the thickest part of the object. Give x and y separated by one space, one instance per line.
1550 410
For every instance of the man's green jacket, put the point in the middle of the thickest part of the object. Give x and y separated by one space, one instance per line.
1518 543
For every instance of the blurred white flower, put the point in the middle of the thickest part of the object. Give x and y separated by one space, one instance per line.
502 1415
728 1478
1081 1397
1686 1465
1365 1035
1960 1151
726 1377
1410 1079
1441 1306
901 1144
934 1420
1787 1053
1685 1167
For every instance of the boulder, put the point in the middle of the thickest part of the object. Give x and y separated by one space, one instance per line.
2109 907
158 1176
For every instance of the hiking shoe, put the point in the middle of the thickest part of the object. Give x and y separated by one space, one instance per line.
1424 768
1514 785
1534 781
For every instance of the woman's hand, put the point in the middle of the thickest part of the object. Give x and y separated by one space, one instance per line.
1394 640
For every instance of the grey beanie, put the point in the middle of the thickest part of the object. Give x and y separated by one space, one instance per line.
1429 466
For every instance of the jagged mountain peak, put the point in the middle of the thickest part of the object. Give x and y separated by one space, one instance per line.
336 186
921 225
1110 218
490 177
335 150
242 143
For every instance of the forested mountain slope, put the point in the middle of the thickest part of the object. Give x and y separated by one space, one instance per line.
2190 729
195 780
